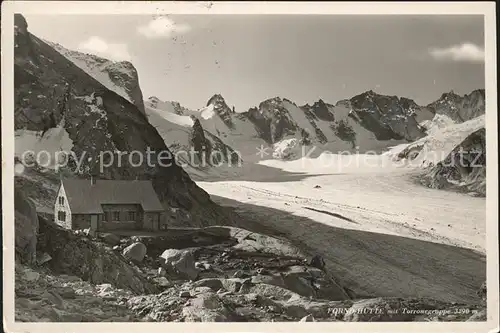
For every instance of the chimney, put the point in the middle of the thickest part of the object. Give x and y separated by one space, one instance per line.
92 180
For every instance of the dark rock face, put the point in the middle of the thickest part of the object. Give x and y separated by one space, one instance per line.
178 108
460 108
24 45
120 75
388 117
464 168
345 132
209 149
272 120
199 143
320 109
125 75
50 89
225 153
222 109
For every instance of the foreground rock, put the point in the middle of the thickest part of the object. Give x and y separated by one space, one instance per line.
135 252
45 297
86 281
180 263
90 260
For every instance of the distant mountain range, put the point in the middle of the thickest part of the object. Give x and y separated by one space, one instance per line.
368 121
365 122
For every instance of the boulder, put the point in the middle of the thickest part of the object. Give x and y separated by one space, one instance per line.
110 239
180 262
162 281
206 307
42 258
301 285
255 242
275 280
305 281
289 302
31 276
135 252
231 285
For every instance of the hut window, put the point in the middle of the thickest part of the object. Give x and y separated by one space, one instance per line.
116 216
131 216
61 216
61 200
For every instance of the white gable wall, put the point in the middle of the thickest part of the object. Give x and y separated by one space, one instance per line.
62 207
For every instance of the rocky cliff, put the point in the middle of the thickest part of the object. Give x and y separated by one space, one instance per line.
464 168
388 117
460 108
118 76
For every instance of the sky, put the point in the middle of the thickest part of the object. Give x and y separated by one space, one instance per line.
250 58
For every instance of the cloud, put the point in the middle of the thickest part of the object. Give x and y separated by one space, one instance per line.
98 46
465 52
162 27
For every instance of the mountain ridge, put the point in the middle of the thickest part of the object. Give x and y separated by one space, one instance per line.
364 122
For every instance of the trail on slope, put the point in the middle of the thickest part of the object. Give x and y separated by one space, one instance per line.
408 241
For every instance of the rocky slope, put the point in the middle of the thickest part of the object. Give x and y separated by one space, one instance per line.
452 155
464 168
183 133
118 76
388 117
197 275
459 108
56 102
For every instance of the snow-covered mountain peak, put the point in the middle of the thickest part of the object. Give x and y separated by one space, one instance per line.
320 109
216 99
118 76
271 102
217 105
460 108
